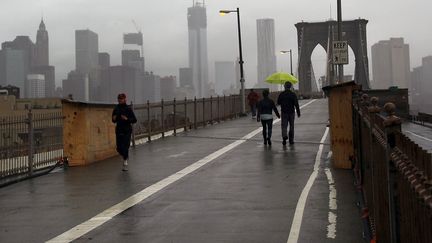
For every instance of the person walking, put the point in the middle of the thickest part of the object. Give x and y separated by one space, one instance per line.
265 108
123 117
289 104
253 100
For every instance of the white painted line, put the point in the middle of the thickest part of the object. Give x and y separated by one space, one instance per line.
177 155
331 227
427 139
298 216
111 212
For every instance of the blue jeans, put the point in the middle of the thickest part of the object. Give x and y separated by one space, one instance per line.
253 110
267 126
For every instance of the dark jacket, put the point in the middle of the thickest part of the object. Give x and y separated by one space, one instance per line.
288 102
123 126
266 106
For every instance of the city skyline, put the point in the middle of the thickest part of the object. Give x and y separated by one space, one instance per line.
62 18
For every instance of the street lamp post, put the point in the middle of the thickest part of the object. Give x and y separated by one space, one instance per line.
242 80
290 51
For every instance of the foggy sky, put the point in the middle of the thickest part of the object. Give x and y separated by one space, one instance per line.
164 27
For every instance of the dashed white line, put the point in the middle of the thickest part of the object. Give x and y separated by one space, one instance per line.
298 216
111 212
415 134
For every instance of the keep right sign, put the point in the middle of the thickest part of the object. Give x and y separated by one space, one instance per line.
340 52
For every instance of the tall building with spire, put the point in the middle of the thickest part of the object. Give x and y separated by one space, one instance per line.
42 46
198 58
266 50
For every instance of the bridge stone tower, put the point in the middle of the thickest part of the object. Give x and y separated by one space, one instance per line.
309 35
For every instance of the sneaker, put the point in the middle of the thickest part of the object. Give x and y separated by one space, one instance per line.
284 141
269 141
125 166
291 142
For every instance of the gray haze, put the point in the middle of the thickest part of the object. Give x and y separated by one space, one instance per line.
164 26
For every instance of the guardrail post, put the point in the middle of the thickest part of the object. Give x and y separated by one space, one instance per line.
204 122
218 109
185 115
162 118
211 110
195 113
133 126
224 107
174 118
149 130
30 142
392 125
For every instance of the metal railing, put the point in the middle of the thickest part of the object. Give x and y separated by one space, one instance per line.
29 142
394 175
170 116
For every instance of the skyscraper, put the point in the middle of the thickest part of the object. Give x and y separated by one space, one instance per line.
198 59
266 50
390 64
42 46
86 51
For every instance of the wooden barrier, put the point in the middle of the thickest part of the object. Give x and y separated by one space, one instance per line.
88 132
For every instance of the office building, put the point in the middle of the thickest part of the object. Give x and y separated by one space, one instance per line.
390 64
266 51
198 59
225 76
86 51
104 60
13 68
42 46
35 86
168 87
76 86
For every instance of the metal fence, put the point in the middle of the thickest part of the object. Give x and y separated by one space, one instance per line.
395 176
170 116
29 142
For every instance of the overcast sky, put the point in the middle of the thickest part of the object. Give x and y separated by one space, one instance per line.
164 26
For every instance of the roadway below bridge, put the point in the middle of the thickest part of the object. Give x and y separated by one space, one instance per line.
215 184
421 135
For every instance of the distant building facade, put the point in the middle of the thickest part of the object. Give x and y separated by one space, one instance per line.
86 51
42 46
390 64
104 60
198 57
21 57
225 76
266 51
76 86
168 87
35 86
421 87
185 77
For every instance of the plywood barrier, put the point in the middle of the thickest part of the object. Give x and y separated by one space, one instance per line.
88 133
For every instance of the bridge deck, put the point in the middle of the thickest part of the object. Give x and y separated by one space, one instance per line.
239 191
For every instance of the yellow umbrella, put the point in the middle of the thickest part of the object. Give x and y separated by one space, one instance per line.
281 78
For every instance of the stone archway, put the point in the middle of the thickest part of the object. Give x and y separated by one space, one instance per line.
309 35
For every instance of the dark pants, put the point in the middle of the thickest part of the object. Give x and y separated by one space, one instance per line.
288 118
267 126
253 110
123 142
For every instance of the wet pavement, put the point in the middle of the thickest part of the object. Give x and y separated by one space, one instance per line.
238 191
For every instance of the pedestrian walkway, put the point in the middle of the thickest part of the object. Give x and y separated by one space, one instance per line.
215 184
